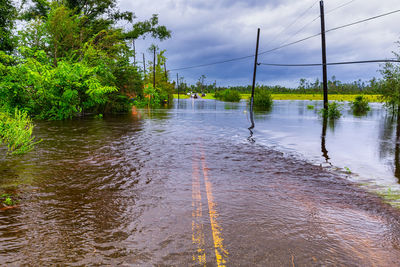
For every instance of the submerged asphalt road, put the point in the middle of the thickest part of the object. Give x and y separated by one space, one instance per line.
182 187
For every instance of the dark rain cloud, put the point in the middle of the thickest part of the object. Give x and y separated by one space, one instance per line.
209 31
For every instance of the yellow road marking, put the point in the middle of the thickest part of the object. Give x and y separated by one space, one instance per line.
220 253
197 225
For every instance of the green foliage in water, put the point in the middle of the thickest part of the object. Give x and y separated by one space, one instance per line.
262 99
360 105
73 59
390 87
310 107
8 199
228 95
16 132
333 112
153 97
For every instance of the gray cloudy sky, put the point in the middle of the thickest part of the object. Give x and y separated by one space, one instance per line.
205 31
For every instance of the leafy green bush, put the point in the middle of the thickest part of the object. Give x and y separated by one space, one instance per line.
228 95
16 132
54 93
262 99
333 112
153 97
360 105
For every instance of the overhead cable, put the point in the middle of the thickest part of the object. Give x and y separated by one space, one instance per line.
289 44
330 64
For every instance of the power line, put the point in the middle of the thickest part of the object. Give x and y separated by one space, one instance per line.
339 7
364 20
306 25
334 63
298 18
330 30
213 63
288 44
245 57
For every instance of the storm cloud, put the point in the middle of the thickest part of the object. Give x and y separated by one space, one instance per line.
209 31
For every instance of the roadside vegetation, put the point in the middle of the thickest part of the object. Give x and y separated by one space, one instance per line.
70 59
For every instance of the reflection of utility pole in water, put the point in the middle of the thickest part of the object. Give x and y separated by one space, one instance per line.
250 138
323 135
397 149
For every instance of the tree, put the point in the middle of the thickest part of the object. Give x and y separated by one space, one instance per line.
390 87
7 19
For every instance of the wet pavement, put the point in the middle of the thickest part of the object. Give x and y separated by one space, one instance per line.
185 187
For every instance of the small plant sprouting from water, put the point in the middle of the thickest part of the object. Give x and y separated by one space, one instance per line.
360 105
348 171
16 132
310 107
7 200
333 112
98 116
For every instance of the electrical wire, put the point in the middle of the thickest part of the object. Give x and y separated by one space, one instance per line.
334 63
339 7
296 20
245 57
288 44
306 25
361 21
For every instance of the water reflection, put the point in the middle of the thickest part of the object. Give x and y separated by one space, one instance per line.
397 150
250 138
323 140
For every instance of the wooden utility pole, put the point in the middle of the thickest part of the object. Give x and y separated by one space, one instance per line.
154 67
134 52
177 84
144 66
255 70
165 70
252 88
324 71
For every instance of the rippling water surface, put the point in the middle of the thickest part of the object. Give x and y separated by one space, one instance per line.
184 186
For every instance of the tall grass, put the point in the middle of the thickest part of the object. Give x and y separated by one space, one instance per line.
16 132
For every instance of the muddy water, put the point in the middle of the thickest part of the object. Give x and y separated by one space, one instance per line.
185 187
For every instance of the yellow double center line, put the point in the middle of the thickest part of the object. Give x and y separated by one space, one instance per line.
197 225
221 253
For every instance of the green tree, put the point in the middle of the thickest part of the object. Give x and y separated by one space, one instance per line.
390 86
7 20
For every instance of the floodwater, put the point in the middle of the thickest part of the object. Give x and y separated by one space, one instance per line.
188 186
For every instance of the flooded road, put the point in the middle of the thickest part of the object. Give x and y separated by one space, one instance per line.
185 187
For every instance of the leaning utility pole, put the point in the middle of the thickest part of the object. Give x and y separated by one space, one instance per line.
324 71
154 67
255 69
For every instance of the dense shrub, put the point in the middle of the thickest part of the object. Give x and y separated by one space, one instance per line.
262 99
333 112
228 95
360 105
